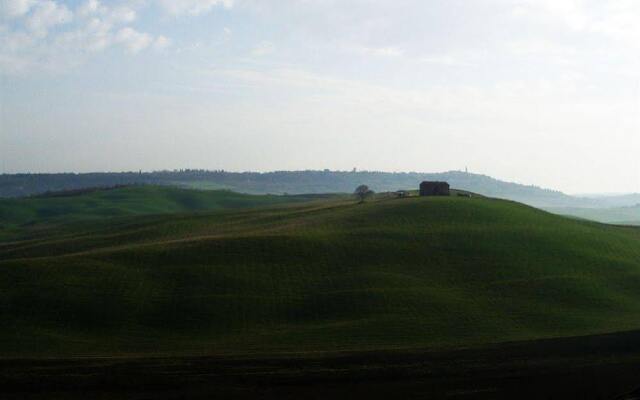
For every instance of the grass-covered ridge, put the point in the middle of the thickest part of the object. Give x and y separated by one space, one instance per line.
400 273
127 201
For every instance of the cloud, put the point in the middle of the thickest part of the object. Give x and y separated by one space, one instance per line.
49 37
381 51
193 7
95 36
122 15
15 41
620 22
91 7
23 52
615 20
161 43
263 48
71 49
115 15
456 101
38 43
48 14
12 45
571 13
448 60
15 8
543 49
133 40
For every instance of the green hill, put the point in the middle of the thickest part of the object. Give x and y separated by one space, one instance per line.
412 273
300 182
92 204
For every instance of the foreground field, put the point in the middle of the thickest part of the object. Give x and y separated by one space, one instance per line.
393 274
588 368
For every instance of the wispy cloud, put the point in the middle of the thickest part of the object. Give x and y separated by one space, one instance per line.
133 40
193 7
449 60
263 48
48 14
161 43
388 51
120 14
615 20
15 8
47 35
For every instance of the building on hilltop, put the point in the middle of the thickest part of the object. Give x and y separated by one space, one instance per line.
428 188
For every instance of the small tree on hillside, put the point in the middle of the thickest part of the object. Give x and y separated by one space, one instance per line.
362 192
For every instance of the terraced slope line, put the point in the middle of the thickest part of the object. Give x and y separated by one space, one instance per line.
407 274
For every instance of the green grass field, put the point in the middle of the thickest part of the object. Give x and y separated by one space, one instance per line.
324 276
26 215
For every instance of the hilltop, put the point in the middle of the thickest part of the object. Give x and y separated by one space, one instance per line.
300 182
414 273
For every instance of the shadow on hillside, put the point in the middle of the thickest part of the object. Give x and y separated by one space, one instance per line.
598 367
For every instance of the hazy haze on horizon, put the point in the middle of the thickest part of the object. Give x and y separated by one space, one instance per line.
543 92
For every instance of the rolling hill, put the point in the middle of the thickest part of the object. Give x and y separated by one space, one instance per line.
414 273
301 182
24 215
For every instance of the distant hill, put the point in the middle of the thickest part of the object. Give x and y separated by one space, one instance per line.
410 274
293 182
614 200
614 215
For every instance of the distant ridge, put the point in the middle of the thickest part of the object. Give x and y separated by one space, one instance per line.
80 191
295 182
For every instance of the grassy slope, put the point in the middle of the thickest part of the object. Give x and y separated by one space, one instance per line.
123 202
406 273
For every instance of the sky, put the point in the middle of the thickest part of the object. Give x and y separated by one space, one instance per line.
543 92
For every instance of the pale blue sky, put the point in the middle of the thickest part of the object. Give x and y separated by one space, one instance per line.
545 92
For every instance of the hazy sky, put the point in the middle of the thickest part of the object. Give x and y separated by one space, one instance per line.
545 92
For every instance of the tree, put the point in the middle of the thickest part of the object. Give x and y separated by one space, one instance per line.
362 192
